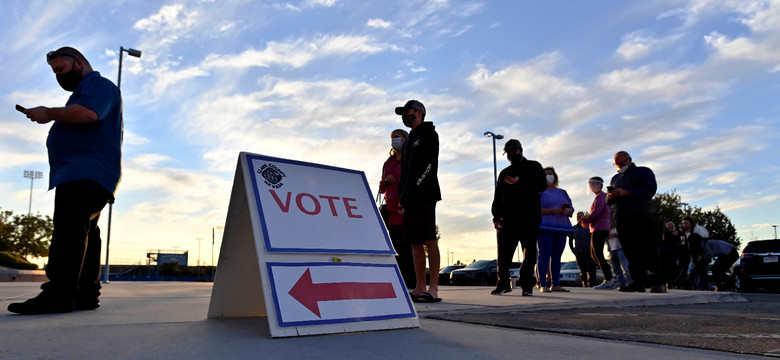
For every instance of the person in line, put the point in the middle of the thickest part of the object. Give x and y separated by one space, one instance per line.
631 198
516 216
556 211
618 259
85 151
391 174
725 255
599 228
419 192
695 234
674 255
579 244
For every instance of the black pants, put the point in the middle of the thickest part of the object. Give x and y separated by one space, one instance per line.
508 237
597 240
668 258
404 257
587 269
74 254
723 263
638 245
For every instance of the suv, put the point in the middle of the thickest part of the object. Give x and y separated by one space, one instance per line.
759 265
444 274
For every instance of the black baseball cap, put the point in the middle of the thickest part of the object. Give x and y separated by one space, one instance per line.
411 104
512 146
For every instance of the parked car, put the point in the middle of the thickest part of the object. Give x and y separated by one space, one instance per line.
570 275
759 265
444 274
481 272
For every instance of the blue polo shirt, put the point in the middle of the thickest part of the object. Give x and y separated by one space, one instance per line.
91 151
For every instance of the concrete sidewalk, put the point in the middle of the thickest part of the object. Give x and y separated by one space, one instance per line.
141 320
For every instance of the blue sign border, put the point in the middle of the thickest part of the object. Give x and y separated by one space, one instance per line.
269 248
282 323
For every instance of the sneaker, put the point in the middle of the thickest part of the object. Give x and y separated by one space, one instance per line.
528 293
559 289
633 287
42 304
545 289
658 289
501 291
607 285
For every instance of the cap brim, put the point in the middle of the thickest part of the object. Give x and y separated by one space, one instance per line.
400 110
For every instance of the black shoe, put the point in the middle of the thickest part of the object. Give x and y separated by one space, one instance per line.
43 304
501 290
87 304
658 289
633 287
528 293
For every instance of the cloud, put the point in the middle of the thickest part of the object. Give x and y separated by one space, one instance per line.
638 45
533 80
299 52
169 19
726 178
378 23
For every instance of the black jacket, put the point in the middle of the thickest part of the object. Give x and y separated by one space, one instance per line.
519 203
640 181
420 166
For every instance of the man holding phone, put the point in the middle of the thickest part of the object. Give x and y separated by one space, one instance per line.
630 196
84 147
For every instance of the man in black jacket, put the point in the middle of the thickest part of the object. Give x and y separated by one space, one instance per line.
419 191
630 197
517 215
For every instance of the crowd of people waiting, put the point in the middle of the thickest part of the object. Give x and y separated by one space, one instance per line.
530 210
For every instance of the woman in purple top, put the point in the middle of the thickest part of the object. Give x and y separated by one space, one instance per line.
599 229
556 211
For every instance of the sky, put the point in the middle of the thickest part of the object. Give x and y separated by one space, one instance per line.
688 88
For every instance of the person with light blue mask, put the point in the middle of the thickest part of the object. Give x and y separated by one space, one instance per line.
556 211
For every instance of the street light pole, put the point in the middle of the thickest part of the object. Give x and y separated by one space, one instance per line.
134 53
32 175
199 241
495 169
775 226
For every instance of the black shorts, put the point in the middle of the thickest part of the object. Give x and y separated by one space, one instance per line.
420 223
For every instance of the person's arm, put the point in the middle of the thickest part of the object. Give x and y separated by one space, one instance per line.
74 114
424 165
496 209
647 185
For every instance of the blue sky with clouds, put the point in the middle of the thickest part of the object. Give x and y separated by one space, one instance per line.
689 88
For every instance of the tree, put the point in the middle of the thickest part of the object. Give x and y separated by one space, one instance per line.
25 235
720 226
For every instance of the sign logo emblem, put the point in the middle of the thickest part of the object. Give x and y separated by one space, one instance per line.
273 175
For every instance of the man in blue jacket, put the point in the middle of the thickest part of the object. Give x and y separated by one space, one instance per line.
84 144
630 197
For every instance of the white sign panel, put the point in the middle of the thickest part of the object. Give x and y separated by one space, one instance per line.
289 226
313 208
327 293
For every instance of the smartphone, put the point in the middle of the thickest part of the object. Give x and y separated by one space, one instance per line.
20 108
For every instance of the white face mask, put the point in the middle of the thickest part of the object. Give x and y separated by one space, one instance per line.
397 143
550 179
623 169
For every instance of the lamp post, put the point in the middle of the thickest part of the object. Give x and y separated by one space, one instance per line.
495 137
32 175
213 236
134 53
199 241
775 226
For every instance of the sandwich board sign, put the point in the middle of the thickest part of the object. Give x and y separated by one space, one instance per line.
304 245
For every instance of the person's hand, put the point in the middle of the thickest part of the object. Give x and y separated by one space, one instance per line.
618 193
38 114
511 180
497 224
400 209
389 179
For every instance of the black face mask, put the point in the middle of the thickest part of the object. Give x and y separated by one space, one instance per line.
69 80
515 158
408 119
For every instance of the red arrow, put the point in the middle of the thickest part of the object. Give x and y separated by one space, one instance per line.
309 294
